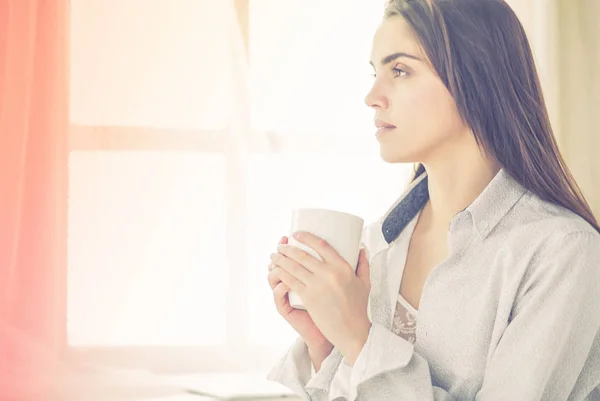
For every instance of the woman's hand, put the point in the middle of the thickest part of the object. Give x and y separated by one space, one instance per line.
300 320
335 297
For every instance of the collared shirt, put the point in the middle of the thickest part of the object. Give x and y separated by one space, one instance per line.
513 313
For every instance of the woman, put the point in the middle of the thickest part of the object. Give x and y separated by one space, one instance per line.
482 280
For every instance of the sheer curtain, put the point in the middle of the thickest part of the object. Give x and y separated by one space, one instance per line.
33 187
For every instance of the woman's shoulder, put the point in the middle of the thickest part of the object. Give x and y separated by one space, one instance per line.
538 218
537 233
542 246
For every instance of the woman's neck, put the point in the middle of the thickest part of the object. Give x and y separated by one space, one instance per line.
454 183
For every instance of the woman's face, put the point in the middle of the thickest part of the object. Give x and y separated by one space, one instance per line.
408 95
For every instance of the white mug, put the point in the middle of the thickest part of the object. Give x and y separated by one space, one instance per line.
342 231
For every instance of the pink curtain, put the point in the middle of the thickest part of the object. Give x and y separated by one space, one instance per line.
33 189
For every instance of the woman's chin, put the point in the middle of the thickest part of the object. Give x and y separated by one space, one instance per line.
396 157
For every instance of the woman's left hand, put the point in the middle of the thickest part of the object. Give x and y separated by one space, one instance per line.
335 297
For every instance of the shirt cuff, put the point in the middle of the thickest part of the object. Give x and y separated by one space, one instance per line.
384 351
321 380
340 385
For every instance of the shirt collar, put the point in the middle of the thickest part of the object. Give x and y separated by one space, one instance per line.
405 209
486 211
496 200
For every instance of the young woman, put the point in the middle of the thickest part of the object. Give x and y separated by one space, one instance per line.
482 281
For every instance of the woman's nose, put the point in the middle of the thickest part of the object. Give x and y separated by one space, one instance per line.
376 100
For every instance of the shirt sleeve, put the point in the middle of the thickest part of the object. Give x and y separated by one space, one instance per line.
295 371
553 337
340 385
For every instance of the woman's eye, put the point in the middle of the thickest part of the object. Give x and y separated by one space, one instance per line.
399 72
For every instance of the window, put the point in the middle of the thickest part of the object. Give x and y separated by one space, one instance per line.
187 156
146 237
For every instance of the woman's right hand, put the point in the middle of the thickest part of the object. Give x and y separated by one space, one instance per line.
299 319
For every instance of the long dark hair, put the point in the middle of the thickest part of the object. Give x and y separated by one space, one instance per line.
480 51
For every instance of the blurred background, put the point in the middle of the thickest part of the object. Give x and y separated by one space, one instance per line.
196 126
178 135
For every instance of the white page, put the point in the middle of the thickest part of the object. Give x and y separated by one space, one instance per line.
231 386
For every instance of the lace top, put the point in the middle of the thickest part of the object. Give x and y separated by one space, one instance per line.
405 320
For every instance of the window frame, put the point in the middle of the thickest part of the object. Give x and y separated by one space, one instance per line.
237 353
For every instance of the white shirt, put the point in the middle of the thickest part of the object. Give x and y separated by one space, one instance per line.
513 313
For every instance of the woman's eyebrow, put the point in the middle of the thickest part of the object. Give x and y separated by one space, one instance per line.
394 56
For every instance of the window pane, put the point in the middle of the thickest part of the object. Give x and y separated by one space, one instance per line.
146 246
310 65
154 63
278 183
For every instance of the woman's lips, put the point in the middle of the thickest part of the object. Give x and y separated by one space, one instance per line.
383 129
